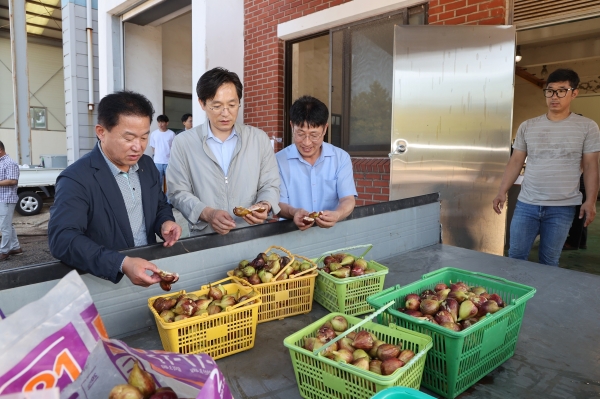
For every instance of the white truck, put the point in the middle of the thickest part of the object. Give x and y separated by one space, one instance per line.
35 185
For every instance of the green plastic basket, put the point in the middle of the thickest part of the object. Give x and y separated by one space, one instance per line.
319 377
401 393
459 359
349 295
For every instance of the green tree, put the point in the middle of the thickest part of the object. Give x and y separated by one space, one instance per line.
371 116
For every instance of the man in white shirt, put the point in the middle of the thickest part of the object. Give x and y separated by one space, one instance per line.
187 122
161 141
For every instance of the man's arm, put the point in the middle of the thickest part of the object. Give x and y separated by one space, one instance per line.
330 218
512 171
9 182
590 180
296 214
268 183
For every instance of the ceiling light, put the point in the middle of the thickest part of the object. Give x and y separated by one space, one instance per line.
518 57
544 73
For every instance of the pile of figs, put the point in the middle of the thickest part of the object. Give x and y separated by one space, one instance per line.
456 307
183 306
264 268
361 349
140 385
343 265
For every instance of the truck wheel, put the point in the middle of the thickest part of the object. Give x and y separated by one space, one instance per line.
29 204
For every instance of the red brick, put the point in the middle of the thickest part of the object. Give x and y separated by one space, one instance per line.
360 202
385 190
381 183
365 183
382 198
455 21
373 176
478 16
432 19
373 190
360 189
435 10
371 202
455 5
492 4
466 10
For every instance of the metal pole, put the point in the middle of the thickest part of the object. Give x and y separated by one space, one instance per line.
20 75
90 49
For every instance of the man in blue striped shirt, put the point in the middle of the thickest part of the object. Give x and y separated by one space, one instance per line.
9 179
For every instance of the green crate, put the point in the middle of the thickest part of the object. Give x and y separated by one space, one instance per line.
401 393
319 377
459 359
349 295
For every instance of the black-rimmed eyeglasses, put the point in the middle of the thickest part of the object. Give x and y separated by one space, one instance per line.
560 93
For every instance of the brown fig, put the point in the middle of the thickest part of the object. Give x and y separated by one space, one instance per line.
387 351
213 309
498 299
376 344
390 365
429 306
125 391
215 293
168 316
203 303
325 334
363 340
375 366
254 279
406 355
362 363
343 355
164 393
158 304
142 380
339 323
439 287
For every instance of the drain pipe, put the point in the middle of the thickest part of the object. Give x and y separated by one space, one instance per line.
90 44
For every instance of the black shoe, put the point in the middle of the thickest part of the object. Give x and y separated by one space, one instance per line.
568 247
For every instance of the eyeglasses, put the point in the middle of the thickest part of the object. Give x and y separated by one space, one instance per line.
315 138
221 108
560 93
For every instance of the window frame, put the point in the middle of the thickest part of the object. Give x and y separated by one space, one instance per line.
31 108
356 150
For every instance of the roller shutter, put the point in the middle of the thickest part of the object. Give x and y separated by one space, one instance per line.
534 13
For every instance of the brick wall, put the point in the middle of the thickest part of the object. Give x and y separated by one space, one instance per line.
263 69
263 60
467 12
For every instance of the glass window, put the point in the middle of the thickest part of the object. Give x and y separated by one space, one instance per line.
175 106
38 118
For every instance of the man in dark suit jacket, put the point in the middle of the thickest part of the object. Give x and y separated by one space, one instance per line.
111 198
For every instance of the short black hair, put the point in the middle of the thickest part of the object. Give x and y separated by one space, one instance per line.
210 81
125 102
162 118
185 117
2 146
309 110
564 75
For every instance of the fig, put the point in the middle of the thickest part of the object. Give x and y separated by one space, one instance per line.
488 307
161 304
429 306
390 365
193 297
459 296
309 343
241 211
361 363
412 302
213 309
360 262
228 300
363 340
339 323
333 266
375 366
166 279
164 393
265 276
327 324
325 334
478 301
467 310
185 306
343 355
466 323
413 313
478 290
360 353
443 316
347 260
497 298
451 305
281 277
328 259
356 271
254 279
203 303
451 326
142 380
351 335
439 287
370 271
200 312
164 285
460 286
426 293
167 315
387 351
248 271
327 352
406 355
376 344
342 272
125 391
243 264
339 257
346 343
180 317
443 294
216 292
305 266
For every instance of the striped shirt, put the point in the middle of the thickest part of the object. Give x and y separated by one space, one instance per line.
554 151
131 190
9 170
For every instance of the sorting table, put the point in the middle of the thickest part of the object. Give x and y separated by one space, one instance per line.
557 354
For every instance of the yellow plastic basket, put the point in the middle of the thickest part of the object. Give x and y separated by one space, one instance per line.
290 297
219 335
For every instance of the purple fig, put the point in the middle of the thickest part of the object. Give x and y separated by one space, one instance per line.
339 323
426 293
478 290
325 334
357 271
387 351
412 302
413 313
443 294
390 365
498 299
459 296
451 326
488 307
164 393
363 340
429 306
451 305
439 287
443 316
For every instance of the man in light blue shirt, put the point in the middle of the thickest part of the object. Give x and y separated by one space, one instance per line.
315 176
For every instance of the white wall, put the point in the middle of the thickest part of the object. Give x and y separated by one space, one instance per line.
217 40
43 142
177 54
143 65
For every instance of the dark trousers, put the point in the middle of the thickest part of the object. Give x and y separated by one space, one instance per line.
578 234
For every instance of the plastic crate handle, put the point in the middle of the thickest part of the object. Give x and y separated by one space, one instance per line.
479 274
357 325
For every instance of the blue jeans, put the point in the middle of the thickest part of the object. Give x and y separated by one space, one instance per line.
162 169
552 223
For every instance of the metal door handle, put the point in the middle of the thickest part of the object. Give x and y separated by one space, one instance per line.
399 147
